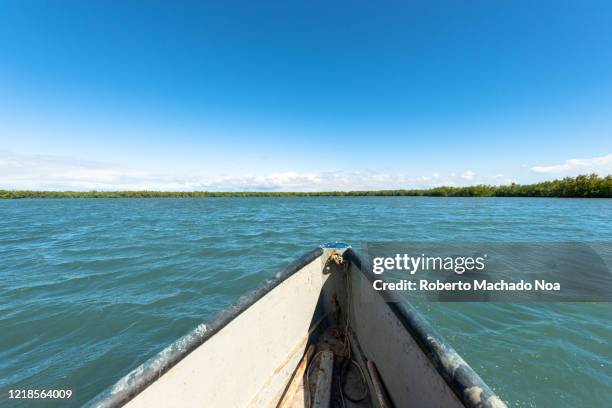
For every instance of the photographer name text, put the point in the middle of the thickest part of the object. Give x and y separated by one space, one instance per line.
426 285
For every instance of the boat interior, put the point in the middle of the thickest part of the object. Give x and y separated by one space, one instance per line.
331 372
315 335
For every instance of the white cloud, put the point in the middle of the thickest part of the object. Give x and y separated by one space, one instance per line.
599 165
468 175
61 173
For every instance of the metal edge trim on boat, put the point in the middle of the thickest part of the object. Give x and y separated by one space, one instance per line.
462 379
142 376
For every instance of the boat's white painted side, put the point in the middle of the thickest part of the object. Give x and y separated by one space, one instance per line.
250 360
417 366
408 374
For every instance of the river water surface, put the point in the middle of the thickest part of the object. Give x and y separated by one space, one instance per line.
90 288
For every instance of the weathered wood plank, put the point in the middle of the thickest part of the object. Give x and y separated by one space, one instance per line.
379 389
322 392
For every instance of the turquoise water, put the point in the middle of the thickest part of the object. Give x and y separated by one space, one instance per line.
90 288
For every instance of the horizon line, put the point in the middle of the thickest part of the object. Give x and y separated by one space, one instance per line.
591 185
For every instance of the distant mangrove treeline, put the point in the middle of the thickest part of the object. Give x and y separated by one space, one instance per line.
580 186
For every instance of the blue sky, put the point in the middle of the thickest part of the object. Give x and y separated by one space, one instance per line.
309 95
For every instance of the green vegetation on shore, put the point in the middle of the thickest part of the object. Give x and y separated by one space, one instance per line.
580 186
